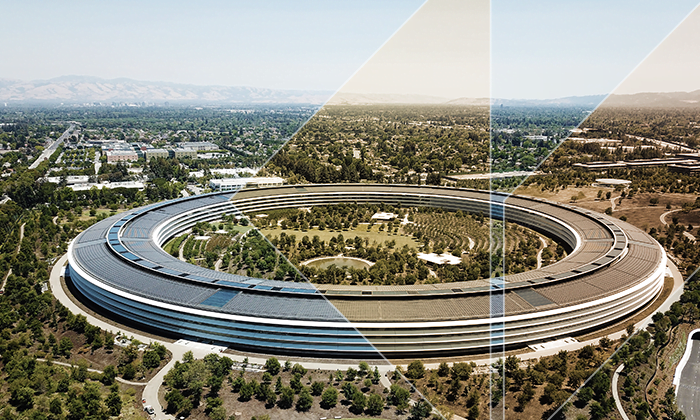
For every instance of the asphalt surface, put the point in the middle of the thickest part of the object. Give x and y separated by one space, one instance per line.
688 398
178 349
49 150
616 395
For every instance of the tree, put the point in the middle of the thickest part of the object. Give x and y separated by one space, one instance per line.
218 413
246 392
272 365
305 401
375 405
295 383
151 359
399 397
129 371
22 398
420 410
415 370
286 398
473 413
453 391
108 375
364 368
358 402
55 406
597 411
329 398
175 399
317 388
443 370
114 402
65 346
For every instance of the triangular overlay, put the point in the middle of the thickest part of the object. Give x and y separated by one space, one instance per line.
372 231
617 159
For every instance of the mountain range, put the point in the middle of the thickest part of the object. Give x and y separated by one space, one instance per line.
85 89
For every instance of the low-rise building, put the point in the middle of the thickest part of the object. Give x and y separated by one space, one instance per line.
121 156
183 153
198 145
156 153
231 184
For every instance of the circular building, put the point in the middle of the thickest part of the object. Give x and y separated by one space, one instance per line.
612 270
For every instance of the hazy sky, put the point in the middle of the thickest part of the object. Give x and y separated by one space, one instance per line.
674 66
537 48
443 50
267 43
553 48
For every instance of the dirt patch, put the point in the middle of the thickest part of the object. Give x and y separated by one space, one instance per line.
254 407
638 210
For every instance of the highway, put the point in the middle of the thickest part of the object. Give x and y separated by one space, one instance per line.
688 398
49 150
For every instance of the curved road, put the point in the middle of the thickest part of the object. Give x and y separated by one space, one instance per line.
616 394
178 349
150 393
688 397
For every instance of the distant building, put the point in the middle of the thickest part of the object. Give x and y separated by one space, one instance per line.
126 184
183 153
121 156
156 153
686 168
231 184
198 145
684 159
70 180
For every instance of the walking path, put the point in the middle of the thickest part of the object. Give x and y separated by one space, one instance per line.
539 253
616 395
19 246
663 216
118 379
179 348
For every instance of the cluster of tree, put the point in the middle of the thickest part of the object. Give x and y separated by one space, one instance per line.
281 386
352 143
444 231
678 125
27 131
34 325
647 356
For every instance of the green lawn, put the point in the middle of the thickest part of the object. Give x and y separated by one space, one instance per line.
361 230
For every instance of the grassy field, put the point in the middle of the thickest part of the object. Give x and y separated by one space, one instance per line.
373 235
107 212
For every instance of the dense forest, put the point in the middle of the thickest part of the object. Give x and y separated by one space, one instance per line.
386 144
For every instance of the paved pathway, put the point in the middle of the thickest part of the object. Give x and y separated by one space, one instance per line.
178 349
539 253
689 236
19 246
616 395
662 218
118 379
688 393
